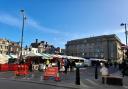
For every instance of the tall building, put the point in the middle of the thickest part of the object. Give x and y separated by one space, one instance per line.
105 46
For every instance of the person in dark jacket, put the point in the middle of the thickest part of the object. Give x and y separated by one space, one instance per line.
65 66
58 65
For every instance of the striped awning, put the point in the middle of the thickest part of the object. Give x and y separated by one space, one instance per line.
46 56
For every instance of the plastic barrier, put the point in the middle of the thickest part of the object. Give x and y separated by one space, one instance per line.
4 67
52 72
22 70
13 67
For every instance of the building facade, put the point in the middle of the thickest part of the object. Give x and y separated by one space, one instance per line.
14 48
4 46
9 47
43 47
105 46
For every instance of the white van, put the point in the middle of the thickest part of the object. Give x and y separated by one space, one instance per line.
83 63
87 62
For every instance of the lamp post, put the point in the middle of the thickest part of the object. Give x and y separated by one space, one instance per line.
22 34
125 25
124 62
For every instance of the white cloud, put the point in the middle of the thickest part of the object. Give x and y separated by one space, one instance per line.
34 24
17 22
9 20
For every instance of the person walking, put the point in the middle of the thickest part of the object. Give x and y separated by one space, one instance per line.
96 69
104 73
58 64
72 66
124 68
41 67
65 66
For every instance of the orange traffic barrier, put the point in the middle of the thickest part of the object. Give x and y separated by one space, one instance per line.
4 67
22 70
52 72
13 67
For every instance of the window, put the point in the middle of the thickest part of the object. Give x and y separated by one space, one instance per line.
5 47
17 49
1 46
0 52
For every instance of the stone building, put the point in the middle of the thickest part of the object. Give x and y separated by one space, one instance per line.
14 48
4 46
43 47
39 45
105 46
9 47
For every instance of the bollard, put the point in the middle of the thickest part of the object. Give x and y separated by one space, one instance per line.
41 78
96 72
77 76
32 75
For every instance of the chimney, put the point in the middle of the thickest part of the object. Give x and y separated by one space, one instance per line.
36 40
42 42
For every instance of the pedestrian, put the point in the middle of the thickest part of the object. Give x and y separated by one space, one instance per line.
47 62
96 69
68 65
104 73
115 64
124 67
58 64
65 66
41 67
72 66
30 66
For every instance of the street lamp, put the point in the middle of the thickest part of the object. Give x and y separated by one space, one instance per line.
22 34
125 25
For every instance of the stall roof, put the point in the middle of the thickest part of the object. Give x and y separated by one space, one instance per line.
31 54
38 54
96 59
13 56
3 59
57 56
8 56
46 56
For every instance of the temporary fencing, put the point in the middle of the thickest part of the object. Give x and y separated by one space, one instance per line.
13 67
4 67
52 72
19 69
8 67
22 69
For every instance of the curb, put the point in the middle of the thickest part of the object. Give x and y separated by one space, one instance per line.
51 84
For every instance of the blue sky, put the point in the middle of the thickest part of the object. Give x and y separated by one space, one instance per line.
59 21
